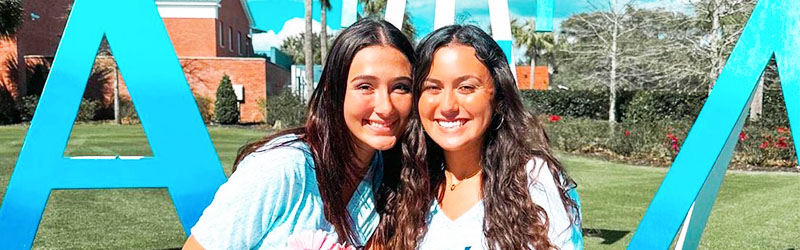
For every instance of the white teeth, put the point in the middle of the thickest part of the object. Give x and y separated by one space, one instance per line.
453 124
375 124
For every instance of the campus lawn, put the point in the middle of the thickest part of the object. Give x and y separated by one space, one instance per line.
753 210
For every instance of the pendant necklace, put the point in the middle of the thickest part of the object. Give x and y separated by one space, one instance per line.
454 185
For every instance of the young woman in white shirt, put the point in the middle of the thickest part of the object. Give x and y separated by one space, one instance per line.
479 173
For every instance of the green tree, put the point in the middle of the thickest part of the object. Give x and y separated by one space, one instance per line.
293 47
377 8
326 6
226 110
538 44
10 16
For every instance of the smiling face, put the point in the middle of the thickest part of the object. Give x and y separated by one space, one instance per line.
378 97
456 102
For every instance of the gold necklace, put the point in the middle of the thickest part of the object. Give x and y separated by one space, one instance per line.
454 185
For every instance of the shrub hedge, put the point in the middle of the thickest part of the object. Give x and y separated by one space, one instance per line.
640 106
287 108
658 143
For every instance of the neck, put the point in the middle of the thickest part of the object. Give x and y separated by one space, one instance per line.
463 164
364 156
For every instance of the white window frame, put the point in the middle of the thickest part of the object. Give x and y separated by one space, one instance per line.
239 41
230 38
221 34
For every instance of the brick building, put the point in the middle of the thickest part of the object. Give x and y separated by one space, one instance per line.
210 37
541 81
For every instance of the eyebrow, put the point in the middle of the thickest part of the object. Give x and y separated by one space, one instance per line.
364 77
372 78
458 79
406 78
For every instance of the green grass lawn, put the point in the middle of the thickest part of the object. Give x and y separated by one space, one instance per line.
753 210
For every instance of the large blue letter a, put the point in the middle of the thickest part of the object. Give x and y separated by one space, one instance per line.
184 160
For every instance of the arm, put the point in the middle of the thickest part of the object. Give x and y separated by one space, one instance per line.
245 209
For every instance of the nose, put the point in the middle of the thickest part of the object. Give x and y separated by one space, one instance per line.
383 104
449 105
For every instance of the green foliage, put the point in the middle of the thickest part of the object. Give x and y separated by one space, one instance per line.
127 112
574 103
226 110
773 113
8 107
88 110
287 108
204 105
658 142
664 105
26 106
293 46
11 14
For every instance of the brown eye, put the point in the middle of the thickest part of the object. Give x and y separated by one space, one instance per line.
431 87
402 88
364 87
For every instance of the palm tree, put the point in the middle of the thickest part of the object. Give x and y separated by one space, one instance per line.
376 8
538 44
11 15
323 42
309 52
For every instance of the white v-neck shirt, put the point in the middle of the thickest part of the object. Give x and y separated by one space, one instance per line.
466 231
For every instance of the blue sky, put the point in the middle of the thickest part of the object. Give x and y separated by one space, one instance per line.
273 15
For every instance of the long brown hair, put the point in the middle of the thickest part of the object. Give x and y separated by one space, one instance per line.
511 220
332 147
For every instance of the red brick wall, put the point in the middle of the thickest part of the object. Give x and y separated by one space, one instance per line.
232 15
192 36
40 36
204 74
541 82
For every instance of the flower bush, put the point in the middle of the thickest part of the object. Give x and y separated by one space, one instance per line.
658 143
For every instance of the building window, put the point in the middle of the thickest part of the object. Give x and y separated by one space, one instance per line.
230 38
247 47
239 41
221 37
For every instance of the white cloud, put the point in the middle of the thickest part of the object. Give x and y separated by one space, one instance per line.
294 26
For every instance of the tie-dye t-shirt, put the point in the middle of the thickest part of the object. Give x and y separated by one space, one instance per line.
274 195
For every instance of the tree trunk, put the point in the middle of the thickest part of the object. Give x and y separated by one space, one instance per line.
323 34
612 88
533 70
117 119
309 52
716 50
756 106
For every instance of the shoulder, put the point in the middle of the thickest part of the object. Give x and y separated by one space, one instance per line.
281 156
539 172
545 193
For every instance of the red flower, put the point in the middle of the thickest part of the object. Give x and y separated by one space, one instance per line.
782 143
783 130
670 135
675 146
764 145
742 136
627 133
555 118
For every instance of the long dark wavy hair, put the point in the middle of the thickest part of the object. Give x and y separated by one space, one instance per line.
512 220
332 147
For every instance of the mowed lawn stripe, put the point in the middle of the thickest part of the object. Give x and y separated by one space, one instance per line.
753 210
